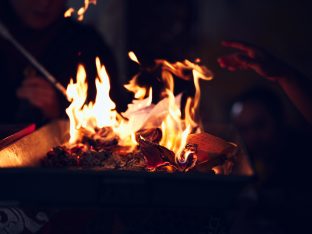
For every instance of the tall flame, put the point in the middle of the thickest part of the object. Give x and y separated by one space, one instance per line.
174 129
77 92
89 116
100 114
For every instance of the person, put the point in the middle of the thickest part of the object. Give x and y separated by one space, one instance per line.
59 44
250 57
258 115
279 154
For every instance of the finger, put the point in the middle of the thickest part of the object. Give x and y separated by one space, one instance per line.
44 99
250 63
231 62
36 96
243 46
36 84
39 91
42 103
36 81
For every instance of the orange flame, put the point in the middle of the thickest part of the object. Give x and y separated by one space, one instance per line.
133 57
175 129
89 116
82 10
132 86
99 114
69 12
139 92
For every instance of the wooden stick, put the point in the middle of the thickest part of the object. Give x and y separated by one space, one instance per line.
7 35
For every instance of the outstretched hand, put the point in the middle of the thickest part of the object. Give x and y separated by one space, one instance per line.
251 57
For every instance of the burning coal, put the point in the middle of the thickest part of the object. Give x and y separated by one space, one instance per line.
147 136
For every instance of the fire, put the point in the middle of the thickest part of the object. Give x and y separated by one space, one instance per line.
69 12
176 129
89 116
139 92
142 113
133 57
82 10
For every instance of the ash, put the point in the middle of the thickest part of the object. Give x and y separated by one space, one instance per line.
64 157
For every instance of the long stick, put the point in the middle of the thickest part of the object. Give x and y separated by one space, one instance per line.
7 35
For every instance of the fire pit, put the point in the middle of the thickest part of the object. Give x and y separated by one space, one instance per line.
24 182
147 155
157 132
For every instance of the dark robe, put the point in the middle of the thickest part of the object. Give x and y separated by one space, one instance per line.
59 48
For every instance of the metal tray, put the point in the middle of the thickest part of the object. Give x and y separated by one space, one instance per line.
23 182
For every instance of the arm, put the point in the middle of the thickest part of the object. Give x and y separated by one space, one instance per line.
297 87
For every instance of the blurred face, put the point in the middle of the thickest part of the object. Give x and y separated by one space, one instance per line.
38 14
256 126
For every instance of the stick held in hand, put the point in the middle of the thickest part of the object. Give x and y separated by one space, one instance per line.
4 32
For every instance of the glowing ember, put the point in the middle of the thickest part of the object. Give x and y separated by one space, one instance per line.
82 10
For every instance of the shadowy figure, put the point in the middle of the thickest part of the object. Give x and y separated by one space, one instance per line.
259 117
60 44
280 155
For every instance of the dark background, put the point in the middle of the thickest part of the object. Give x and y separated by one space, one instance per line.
179 29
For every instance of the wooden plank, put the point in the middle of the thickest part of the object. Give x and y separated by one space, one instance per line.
29 150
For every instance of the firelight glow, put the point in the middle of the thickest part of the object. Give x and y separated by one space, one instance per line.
141 113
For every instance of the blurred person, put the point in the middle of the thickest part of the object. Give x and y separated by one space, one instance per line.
259 118
258 113
59 44
280 198
280 155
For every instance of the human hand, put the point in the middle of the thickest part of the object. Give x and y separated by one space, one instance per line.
41 94
251 57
